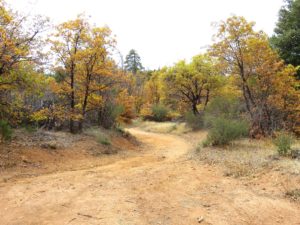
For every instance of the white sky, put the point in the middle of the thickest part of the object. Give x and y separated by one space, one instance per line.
162 31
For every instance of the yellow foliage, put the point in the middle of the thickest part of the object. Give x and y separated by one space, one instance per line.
268 86
127 101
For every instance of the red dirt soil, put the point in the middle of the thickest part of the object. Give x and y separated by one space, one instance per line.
161 184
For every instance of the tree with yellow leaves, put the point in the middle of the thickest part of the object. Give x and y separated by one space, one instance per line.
18 59
267 84
83 64
192 83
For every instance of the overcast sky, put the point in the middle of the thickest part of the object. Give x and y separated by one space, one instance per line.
162 31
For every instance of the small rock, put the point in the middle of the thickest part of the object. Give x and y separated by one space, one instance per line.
25 160
200 219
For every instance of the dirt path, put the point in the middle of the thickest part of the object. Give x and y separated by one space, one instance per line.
161 186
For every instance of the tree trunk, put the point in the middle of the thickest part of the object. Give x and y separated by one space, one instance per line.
194 108
72 101
207 98
80 124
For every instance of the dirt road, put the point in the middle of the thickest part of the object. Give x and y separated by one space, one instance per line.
161 186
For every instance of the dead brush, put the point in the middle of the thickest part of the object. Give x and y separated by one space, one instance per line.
237 170
164 127
240 159
290 189
293 194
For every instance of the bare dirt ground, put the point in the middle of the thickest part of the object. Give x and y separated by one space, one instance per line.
161 184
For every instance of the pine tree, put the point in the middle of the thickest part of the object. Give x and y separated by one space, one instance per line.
287 33
133 62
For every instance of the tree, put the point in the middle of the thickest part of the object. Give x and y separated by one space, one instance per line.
82 55
95 70
133 62
68 41
287 33
18 59
267 84
192 83
153 88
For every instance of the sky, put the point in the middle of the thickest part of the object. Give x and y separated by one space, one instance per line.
161 31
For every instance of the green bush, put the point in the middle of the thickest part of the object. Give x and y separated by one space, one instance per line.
109 114
222 106
194 121
223 131
30 128
100 135
103 140
5 130
160 113
284 142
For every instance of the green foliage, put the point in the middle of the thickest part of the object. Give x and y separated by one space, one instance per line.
223 118
205 143
160 113
103 140
222 106
99 134
122 132
287 33
194 121
109 114
283 143
30 128
223 131
191 84
133 62
199 148
228 107
5 130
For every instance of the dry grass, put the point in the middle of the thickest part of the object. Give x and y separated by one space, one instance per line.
164 127
259 162
247 157
293 194
101 136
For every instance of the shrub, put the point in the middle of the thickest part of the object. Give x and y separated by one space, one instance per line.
5 130
109 114
103 140
160 113
223 131
100 135
293 194
122 132
193 121
283 142
223 106
229 107
30 128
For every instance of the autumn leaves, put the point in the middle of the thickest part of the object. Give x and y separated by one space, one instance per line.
267 84
84 85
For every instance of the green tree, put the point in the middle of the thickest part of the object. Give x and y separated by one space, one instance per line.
133 62
287 33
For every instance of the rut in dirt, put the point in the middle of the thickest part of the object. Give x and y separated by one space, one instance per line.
162 185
